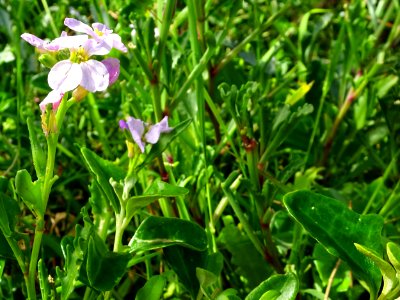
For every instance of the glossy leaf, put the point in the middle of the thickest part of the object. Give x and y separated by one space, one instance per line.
393 252
43 280
159 232
30 192
164 141
152 290
280 287
337 228
104 170
250 265
104 268
388 273
184 261
157 189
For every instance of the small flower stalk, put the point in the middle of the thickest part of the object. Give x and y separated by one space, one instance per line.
143 133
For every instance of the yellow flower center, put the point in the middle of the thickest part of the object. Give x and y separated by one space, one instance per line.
99 33
79 55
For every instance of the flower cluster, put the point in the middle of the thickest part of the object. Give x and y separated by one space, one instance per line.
79 72
142 132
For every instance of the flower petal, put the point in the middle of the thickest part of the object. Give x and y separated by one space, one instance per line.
95 76
153 135
101 28
136 127
65 76
123 125
78 26
112 65
92 47
117 44
38 42
54 97
69 42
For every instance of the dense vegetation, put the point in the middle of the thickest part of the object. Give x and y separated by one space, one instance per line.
276 177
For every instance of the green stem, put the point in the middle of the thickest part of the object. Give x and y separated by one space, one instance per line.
48 13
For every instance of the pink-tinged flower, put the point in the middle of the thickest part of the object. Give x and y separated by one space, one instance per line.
137 129
153 134
112 65
62 42
79 70
100 32
54 97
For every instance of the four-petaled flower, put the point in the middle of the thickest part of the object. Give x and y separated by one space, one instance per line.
142 132
79 70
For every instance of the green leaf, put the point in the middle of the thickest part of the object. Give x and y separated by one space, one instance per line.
104 268
9 210
43 280
104 170
388 273
152 290
159 232
298 94
157 189
39 158
164 141
30 192
337 228
281 287
249 262
393 252
184 261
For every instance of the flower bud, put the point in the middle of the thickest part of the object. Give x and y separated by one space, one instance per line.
79 93
47 60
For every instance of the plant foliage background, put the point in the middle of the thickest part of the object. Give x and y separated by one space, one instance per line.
279 179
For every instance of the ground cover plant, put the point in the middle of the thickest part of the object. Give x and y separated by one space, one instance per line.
199 149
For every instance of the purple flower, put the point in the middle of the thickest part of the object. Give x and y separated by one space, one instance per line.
100 32
112 66
137 129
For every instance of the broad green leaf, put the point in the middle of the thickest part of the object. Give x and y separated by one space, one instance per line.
30 192
164 141
157 189
159 232
249 262
393 252
385 84
280 287
104 268
388 273
228 294
337 228
184 261
298 94
152 290
5 249
9 210
39 158
104 170
206 278
325 263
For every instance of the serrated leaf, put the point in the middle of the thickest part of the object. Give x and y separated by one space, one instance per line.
104 170
158 189
30 192
152 290
160 232
164 141
337 228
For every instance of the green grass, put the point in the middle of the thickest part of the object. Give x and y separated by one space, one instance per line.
281 96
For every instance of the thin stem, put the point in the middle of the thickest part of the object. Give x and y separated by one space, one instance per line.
331 278
52 24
